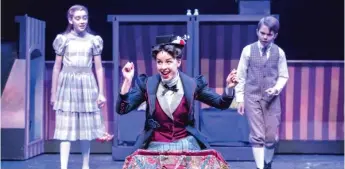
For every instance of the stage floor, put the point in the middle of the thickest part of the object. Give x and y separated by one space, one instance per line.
104 161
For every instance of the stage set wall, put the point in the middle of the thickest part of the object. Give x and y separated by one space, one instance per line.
22 98
312 101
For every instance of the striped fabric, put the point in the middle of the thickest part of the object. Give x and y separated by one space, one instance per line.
312 102
186 144
142 38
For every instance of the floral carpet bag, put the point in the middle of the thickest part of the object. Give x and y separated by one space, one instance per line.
205 159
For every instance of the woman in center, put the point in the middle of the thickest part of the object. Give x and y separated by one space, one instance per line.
170 95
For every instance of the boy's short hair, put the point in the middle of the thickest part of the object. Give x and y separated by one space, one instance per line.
271 22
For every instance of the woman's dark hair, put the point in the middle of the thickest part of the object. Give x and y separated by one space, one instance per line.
174 50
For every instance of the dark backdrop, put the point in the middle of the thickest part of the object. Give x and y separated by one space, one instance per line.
310 29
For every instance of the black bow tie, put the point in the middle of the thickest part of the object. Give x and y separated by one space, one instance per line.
167 88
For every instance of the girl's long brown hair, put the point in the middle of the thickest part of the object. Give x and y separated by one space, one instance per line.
70 14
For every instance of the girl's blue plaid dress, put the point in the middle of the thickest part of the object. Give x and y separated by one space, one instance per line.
78 116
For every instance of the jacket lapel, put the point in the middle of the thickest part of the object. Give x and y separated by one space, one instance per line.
189 88
151 87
